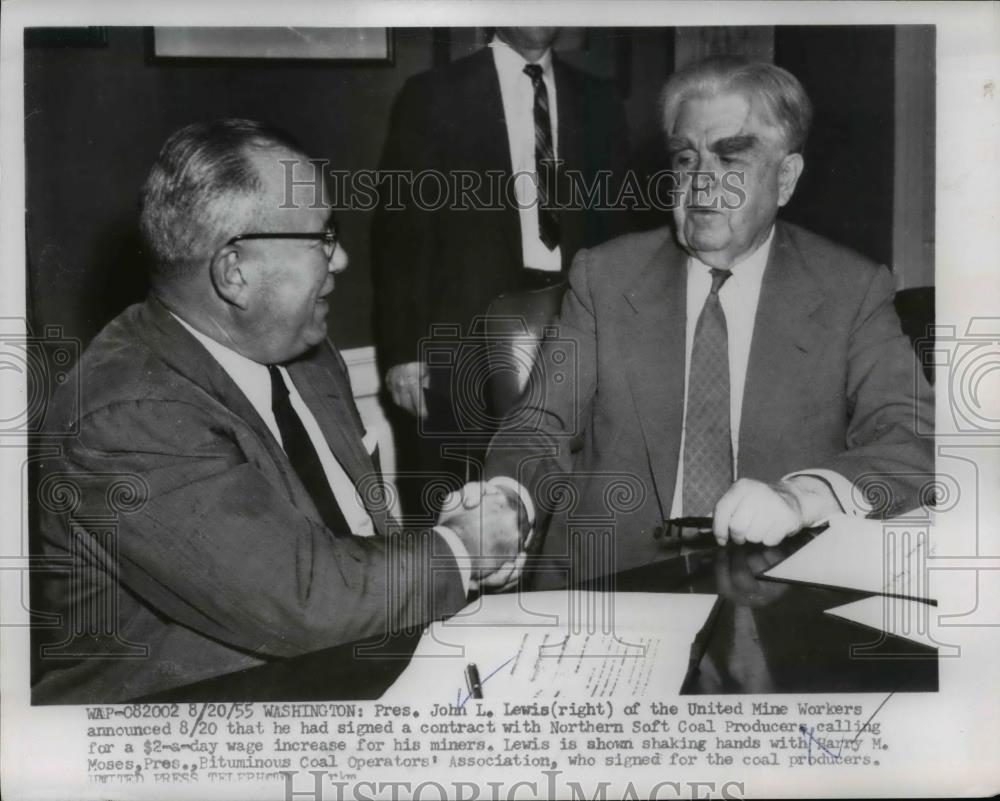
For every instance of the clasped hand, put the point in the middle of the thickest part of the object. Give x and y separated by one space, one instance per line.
490 522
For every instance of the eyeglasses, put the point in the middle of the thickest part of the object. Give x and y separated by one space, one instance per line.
329 238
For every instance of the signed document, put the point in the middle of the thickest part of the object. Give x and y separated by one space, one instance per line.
529 647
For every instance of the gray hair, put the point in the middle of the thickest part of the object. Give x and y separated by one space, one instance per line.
201 188
774 92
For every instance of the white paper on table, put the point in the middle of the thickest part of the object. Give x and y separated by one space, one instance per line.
902 617
538 645
878 556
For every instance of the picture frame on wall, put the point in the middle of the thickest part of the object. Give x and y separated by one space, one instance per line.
367 45
57 37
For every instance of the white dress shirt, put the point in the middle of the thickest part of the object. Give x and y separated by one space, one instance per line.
739 298
518 95
254 382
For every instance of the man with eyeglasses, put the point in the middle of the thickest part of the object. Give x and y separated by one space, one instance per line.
261 528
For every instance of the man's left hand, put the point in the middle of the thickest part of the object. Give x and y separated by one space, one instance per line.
755 511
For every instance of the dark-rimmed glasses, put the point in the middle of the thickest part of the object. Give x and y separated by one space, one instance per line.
328 237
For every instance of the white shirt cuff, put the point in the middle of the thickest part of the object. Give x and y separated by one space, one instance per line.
460 553
851 503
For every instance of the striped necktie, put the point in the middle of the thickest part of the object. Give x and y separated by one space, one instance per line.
545 166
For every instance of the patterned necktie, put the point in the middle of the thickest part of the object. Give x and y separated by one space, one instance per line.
303 456
545 167
708 445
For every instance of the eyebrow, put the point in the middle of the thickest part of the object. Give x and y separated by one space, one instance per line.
726 146
675 144
729 145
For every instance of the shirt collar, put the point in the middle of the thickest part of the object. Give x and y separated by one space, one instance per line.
510 62
751 268
251 377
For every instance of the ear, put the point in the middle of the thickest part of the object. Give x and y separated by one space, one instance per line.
226 271
788 176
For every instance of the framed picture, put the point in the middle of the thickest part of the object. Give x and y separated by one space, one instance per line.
66 37
292 44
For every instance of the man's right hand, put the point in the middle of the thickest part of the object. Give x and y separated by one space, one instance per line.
485 519
406 384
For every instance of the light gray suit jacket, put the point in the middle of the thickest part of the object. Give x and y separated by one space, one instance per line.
219 559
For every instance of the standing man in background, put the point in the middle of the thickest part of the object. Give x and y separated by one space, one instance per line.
519 125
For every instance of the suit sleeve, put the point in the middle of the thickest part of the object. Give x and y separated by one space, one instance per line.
542 434
890 403
403 235
218 547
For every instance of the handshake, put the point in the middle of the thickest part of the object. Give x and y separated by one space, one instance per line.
493 520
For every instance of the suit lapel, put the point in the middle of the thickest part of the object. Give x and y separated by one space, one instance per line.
186 355
568 99
481 132
787 334
323 383
571 127
652 337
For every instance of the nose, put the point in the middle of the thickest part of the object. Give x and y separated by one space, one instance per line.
339 260
703 182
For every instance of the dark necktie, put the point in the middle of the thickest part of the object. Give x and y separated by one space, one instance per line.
708 445
545 166
303 456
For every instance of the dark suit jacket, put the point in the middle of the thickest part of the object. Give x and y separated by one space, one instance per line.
832 382
220 559
446 265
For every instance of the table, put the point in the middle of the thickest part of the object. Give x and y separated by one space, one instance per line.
762 637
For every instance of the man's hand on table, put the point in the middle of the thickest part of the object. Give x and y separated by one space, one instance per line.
755 511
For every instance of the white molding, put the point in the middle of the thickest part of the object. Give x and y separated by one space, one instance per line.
363 369
365 384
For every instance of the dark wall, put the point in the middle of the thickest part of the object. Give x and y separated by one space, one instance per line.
846 190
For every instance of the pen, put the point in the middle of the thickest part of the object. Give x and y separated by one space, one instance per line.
472 679
699 530
704 523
